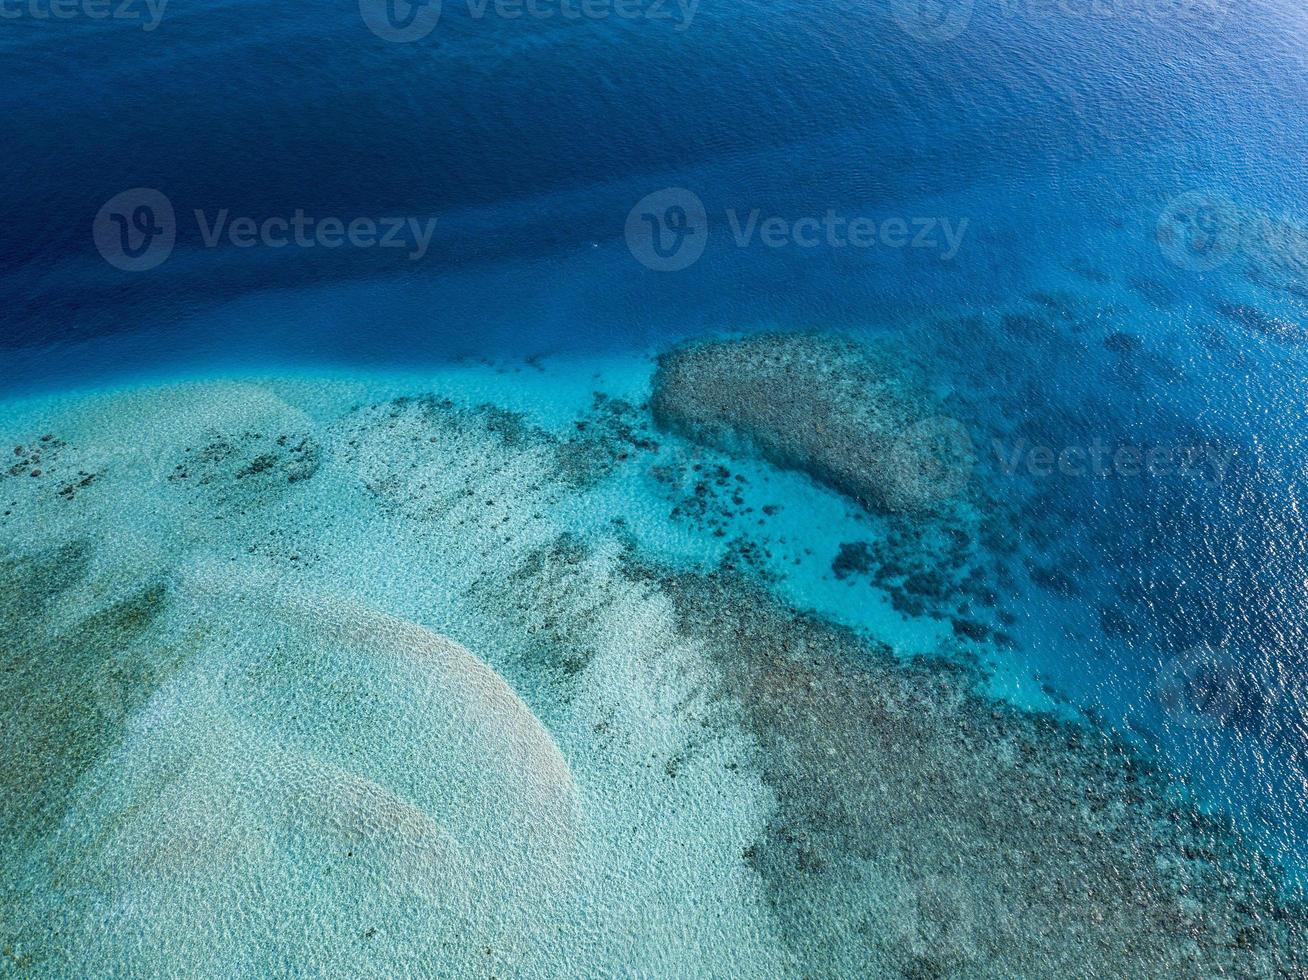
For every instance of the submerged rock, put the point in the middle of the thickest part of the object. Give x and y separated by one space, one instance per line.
819 404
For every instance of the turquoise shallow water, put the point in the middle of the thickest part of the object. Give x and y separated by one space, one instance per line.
485 670
370 611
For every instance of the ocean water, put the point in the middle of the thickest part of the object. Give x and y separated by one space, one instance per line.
433 609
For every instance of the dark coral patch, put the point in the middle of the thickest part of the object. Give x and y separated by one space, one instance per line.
1122 343
36 458
613 432
233 472
854 558
822 405
1262 322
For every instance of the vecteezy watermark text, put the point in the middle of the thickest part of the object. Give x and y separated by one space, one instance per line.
679 12
667 231
303 231
1208 14
1102 460
150 12
137 230
405 21
937 21
833 230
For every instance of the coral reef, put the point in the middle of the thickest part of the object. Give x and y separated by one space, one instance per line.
924 830
426 431
819 404
259 461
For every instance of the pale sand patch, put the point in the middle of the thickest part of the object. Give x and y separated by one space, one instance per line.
483 729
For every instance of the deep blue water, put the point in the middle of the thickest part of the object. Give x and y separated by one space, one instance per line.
1060 132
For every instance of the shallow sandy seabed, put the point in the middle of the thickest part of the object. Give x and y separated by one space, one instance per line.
371 678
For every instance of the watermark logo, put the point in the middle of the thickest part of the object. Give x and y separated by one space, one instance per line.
832 230
404 21
148 12
932 21
933 458
135 231
302 230
400 21
1207 688
667 231
935 922
1200 231
1101 460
